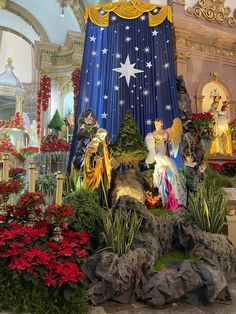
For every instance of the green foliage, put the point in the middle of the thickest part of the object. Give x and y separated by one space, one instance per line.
208 207
46 184
56 122
218 180
129 148
20 296
173 257
120 229
71 182
87 211
160 211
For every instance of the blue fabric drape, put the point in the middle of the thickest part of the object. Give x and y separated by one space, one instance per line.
150 95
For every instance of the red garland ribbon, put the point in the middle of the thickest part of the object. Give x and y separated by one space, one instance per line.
75 77
44 95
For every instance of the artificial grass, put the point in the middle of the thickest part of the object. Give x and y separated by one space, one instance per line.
173 257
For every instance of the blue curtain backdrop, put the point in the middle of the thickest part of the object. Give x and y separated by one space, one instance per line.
127 66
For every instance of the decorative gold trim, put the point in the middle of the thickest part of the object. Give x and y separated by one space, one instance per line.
28 18
79 14
213 11
8 29
215 76
3 4
127 10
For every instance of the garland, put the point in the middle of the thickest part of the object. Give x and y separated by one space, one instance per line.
16 122
44 95
75 77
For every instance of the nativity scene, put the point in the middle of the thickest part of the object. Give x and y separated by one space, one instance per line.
117 157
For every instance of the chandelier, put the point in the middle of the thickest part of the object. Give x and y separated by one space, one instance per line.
66 3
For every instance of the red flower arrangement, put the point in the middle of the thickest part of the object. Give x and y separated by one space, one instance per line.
204 125
15 122
31 252
6 145
75 76
53 144
227 168
7 188
17 174
44 95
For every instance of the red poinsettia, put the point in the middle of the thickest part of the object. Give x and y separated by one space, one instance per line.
7 188
53 144
204 125
16 122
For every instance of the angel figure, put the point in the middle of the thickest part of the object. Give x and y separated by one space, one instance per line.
97 166
170 184
158 140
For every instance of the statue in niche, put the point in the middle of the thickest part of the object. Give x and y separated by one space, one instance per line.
97 166
33 138
222 144
184 100
214 106
170 184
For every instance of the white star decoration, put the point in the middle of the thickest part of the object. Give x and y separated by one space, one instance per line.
127 70
116 87
155 32
145 92
142 18
148 122
104 115
168 107
128 39
105 97
118 55
127 27
121 102
86 99
92 39
102 28
146 49
104 51
166 65
136 48
149 64
113 18
98 83
93 53
158 83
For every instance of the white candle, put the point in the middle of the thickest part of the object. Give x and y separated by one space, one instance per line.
5 176
32 178
59 188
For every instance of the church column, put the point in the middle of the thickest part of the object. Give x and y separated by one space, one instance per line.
198 104
182 59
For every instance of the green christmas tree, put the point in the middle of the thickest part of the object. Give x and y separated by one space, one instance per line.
129 148
56 122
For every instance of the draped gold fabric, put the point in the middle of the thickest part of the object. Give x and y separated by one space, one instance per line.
128 10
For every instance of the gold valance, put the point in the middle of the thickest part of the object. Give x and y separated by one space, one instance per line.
128 10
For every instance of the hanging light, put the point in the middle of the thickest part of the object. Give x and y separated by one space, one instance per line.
66 3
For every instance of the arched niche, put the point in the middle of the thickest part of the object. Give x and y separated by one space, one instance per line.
205 92
210 90
68 104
